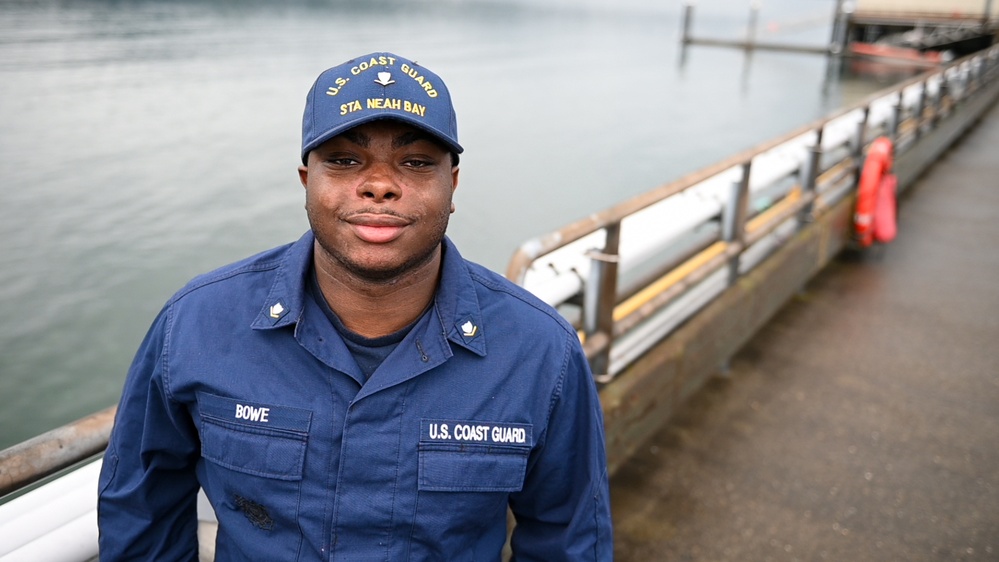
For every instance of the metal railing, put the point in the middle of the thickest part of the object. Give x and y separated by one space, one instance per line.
55 450
628 275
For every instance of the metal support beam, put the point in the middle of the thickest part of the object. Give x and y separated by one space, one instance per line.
896 119
809 176
734 217
754 12
599 298
688 17
919 110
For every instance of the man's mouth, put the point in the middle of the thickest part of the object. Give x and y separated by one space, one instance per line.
377 228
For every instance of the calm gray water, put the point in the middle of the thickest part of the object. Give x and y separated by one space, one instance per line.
143 142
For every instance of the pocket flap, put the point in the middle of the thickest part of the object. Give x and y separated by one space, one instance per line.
473 456
449 467
252 438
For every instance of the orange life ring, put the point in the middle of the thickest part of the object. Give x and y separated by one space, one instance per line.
884 210
876 167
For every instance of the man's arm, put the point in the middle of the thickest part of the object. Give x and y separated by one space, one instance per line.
563 511
148 488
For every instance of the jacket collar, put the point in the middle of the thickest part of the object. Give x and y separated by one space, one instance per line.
286 300
456 302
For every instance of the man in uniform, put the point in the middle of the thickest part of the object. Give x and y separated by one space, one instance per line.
363 393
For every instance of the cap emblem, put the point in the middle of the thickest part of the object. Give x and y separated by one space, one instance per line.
384 78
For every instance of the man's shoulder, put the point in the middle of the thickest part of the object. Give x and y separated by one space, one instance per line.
514 298
238 276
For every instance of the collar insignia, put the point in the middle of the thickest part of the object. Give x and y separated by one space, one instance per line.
469 330
277 310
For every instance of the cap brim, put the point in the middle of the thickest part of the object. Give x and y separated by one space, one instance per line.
360 120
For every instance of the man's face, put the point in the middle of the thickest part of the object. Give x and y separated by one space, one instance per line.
378 198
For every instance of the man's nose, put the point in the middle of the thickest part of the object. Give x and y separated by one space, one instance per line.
380 184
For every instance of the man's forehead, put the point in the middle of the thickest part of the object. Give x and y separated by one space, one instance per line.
402 134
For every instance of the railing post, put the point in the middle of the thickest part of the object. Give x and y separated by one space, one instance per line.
810 176
938 101
754 11
734 217
858 146
921 108
965 81
600 297
896 119
840 25
688 16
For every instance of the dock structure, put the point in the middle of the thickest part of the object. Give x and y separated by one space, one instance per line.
955 12
749 43
861 422
917 32
955 27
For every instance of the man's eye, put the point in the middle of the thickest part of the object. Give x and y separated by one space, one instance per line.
341 161
417 163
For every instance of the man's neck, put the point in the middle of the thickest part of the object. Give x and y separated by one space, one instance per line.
376 309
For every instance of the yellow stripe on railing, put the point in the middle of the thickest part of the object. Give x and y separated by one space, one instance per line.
780 207
666 281
679 273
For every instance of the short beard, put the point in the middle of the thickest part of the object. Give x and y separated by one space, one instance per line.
381 276
384 276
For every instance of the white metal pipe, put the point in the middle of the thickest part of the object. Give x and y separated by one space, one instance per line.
633 344
755 254
557 290
73 541
645 236
52 505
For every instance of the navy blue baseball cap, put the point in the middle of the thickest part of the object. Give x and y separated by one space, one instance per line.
378 86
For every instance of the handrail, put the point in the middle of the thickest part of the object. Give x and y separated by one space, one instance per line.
541 245
827 155
50 452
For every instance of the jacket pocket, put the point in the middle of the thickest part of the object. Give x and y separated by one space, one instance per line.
465 467
253 438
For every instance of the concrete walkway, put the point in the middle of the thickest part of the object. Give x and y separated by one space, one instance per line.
862 424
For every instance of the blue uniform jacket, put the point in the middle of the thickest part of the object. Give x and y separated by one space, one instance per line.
243 387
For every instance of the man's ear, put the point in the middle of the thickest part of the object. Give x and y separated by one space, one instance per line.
303 175
454 184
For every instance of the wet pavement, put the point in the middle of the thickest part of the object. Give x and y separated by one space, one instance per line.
862 423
